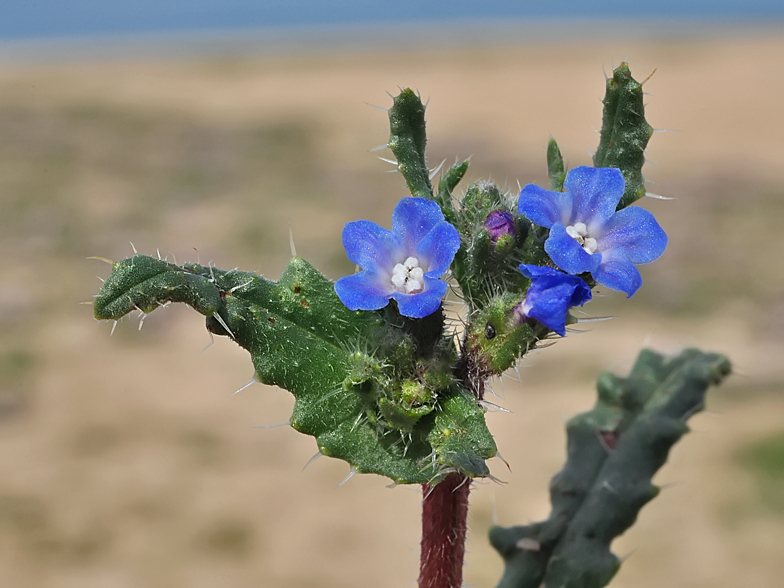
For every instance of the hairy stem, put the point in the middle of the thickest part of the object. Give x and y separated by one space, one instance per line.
444 515
445 512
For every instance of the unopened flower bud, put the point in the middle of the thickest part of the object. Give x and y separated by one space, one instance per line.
500 224
501 228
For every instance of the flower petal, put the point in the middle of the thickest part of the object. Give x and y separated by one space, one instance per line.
551 294
539 271
543 207
424 303
371 247
596 192
636 232
437 249
550 309
412 219
363 291
567 253
581 294
618 273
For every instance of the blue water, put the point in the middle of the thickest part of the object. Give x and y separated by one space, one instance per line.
31 19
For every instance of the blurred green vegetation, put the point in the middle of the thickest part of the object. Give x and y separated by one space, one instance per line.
765 459
72 176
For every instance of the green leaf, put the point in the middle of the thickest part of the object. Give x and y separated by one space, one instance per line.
625 132
447 185
407 141
302 338
613 451
144 283
555 166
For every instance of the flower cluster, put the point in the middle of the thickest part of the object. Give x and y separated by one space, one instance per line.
403 264
586 232
587 235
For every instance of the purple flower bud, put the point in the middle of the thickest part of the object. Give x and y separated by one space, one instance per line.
499 224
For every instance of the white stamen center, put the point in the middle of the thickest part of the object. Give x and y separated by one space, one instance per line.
579 232
408 277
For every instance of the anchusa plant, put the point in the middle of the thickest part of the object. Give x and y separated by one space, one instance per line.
382 382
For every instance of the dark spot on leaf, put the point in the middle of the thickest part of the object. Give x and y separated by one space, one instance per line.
304 303
489 331
297 289
610 438
271 320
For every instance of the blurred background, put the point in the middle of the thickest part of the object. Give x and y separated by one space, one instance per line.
212 131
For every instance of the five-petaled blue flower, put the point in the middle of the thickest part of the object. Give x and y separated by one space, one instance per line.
588 235
405 263
551 295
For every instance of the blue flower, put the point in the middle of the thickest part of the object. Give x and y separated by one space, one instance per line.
551 295
405 263
588 235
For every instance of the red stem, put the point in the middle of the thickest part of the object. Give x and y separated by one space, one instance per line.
444 515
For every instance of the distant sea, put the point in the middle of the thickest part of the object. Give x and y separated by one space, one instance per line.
30 19
53 30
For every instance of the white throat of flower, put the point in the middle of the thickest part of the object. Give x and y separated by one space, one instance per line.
408 277
579 232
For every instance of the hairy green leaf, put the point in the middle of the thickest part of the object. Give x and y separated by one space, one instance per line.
302 338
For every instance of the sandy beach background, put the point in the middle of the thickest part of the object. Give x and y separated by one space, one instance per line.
125 463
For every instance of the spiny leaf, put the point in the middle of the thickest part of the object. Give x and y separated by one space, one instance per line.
613 452
407 141
302 338
144 283
446 187
555 166
625 132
